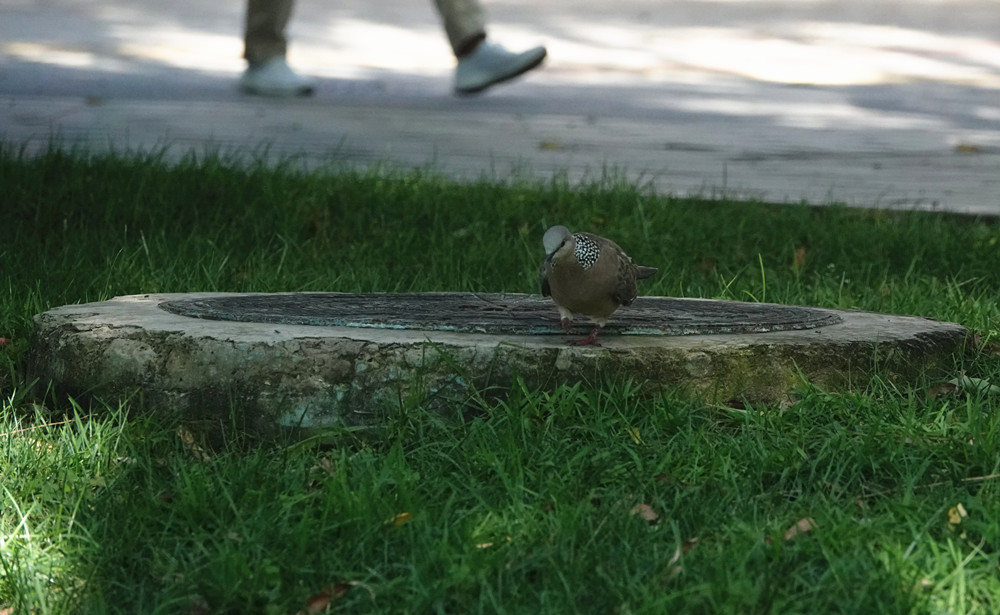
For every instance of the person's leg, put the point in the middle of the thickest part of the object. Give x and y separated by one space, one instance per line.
264 35
481 63
464 24
265 46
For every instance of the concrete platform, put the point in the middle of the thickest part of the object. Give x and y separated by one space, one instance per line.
873 104
271 374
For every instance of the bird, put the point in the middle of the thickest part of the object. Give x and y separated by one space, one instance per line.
587 274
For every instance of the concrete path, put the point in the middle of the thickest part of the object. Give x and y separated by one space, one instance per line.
888 104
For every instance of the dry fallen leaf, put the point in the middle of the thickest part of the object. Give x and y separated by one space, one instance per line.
673 567
187 438
803 526
487 545
399 519
318 602
968 148
197 605
646 512
800 257
684 547
955 515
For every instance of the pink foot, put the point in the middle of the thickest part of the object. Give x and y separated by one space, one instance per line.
590 340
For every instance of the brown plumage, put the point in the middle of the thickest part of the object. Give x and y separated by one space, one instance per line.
587 274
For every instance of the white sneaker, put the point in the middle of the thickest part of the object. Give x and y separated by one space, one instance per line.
491 64
273 77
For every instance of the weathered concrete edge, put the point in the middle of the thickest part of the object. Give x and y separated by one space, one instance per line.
318 376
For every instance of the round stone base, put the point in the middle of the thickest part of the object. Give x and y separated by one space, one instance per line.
327 359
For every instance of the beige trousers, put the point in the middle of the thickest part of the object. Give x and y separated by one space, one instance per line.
264 37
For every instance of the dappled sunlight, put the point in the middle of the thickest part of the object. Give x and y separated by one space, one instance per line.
913 53
805 114
987 113
349 46
817 53
180 48
788 42
50 54
127 47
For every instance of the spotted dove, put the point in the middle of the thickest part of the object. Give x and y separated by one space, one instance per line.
587 274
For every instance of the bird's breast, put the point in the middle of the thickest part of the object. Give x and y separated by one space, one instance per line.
584 291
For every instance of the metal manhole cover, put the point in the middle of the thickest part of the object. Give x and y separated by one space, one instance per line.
498 314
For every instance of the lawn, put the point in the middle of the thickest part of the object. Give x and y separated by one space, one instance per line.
590 498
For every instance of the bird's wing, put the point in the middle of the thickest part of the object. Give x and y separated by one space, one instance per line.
641 272
625 289
543 275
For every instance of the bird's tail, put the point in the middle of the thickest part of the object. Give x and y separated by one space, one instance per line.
641 273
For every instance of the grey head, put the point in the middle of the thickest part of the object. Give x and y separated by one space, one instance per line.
554 238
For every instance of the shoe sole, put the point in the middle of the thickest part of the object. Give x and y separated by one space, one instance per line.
507 77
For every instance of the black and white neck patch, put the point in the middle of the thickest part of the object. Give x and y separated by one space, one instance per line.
587 251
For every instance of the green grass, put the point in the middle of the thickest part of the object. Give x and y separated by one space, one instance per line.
530 504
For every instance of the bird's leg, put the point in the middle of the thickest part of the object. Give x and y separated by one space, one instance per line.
590 340
565 319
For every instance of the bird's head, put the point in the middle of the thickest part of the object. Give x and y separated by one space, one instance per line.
555 238
561 245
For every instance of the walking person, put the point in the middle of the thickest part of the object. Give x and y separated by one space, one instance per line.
481 62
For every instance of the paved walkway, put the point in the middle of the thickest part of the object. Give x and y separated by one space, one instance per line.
889 104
